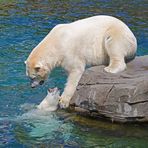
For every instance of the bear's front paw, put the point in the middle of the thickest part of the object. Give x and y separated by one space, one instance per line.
64 102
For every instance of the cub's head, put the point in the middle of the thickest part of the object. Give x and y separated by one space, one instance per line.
37 72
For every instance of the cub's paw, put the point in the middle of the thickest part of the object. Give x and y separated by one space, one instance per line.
64 102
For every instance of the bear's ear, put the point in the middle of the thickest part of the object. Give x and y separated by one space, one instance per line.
38 66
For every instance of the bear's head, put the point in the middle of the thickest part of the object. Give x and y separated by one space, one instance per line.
37 72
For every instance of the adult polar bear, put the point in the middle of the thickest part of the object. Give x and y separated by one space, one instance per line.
96 40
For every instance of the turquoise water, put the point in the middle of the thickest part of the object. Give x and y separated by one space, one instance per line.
23 24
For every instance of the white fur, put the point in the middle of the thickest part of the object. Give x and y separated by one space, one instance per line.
50 102
95 40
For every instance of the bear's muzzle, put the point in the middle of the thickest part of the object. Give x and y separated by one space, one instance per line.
35 82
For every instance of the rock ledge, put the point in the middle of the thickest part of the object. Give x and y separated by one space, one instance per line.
121 97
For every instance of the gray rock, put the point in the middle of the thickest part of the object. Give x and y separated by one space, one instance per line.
121 97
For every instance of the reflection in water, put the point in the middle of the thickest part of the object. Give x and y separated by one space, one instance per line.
23 25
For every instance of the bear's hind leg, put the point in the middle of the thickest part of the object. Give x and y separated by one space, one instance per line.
117 64
115 50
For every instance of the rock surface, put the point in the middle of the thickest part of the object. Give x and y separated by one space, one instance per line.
121 97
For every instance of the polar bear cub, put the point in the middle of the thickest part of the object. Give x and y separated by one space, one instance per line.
95 41
50 102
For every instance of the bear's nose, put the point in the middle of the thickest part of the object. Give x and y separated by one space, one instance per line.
41 82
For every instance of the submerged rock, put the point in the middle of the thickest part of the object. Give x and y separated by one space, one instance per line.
121 97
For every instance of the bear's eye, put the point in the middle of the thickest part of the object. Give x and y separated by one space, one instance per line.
37 69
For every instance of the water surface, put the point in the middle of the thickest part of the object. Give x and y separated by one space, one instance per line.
23 24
